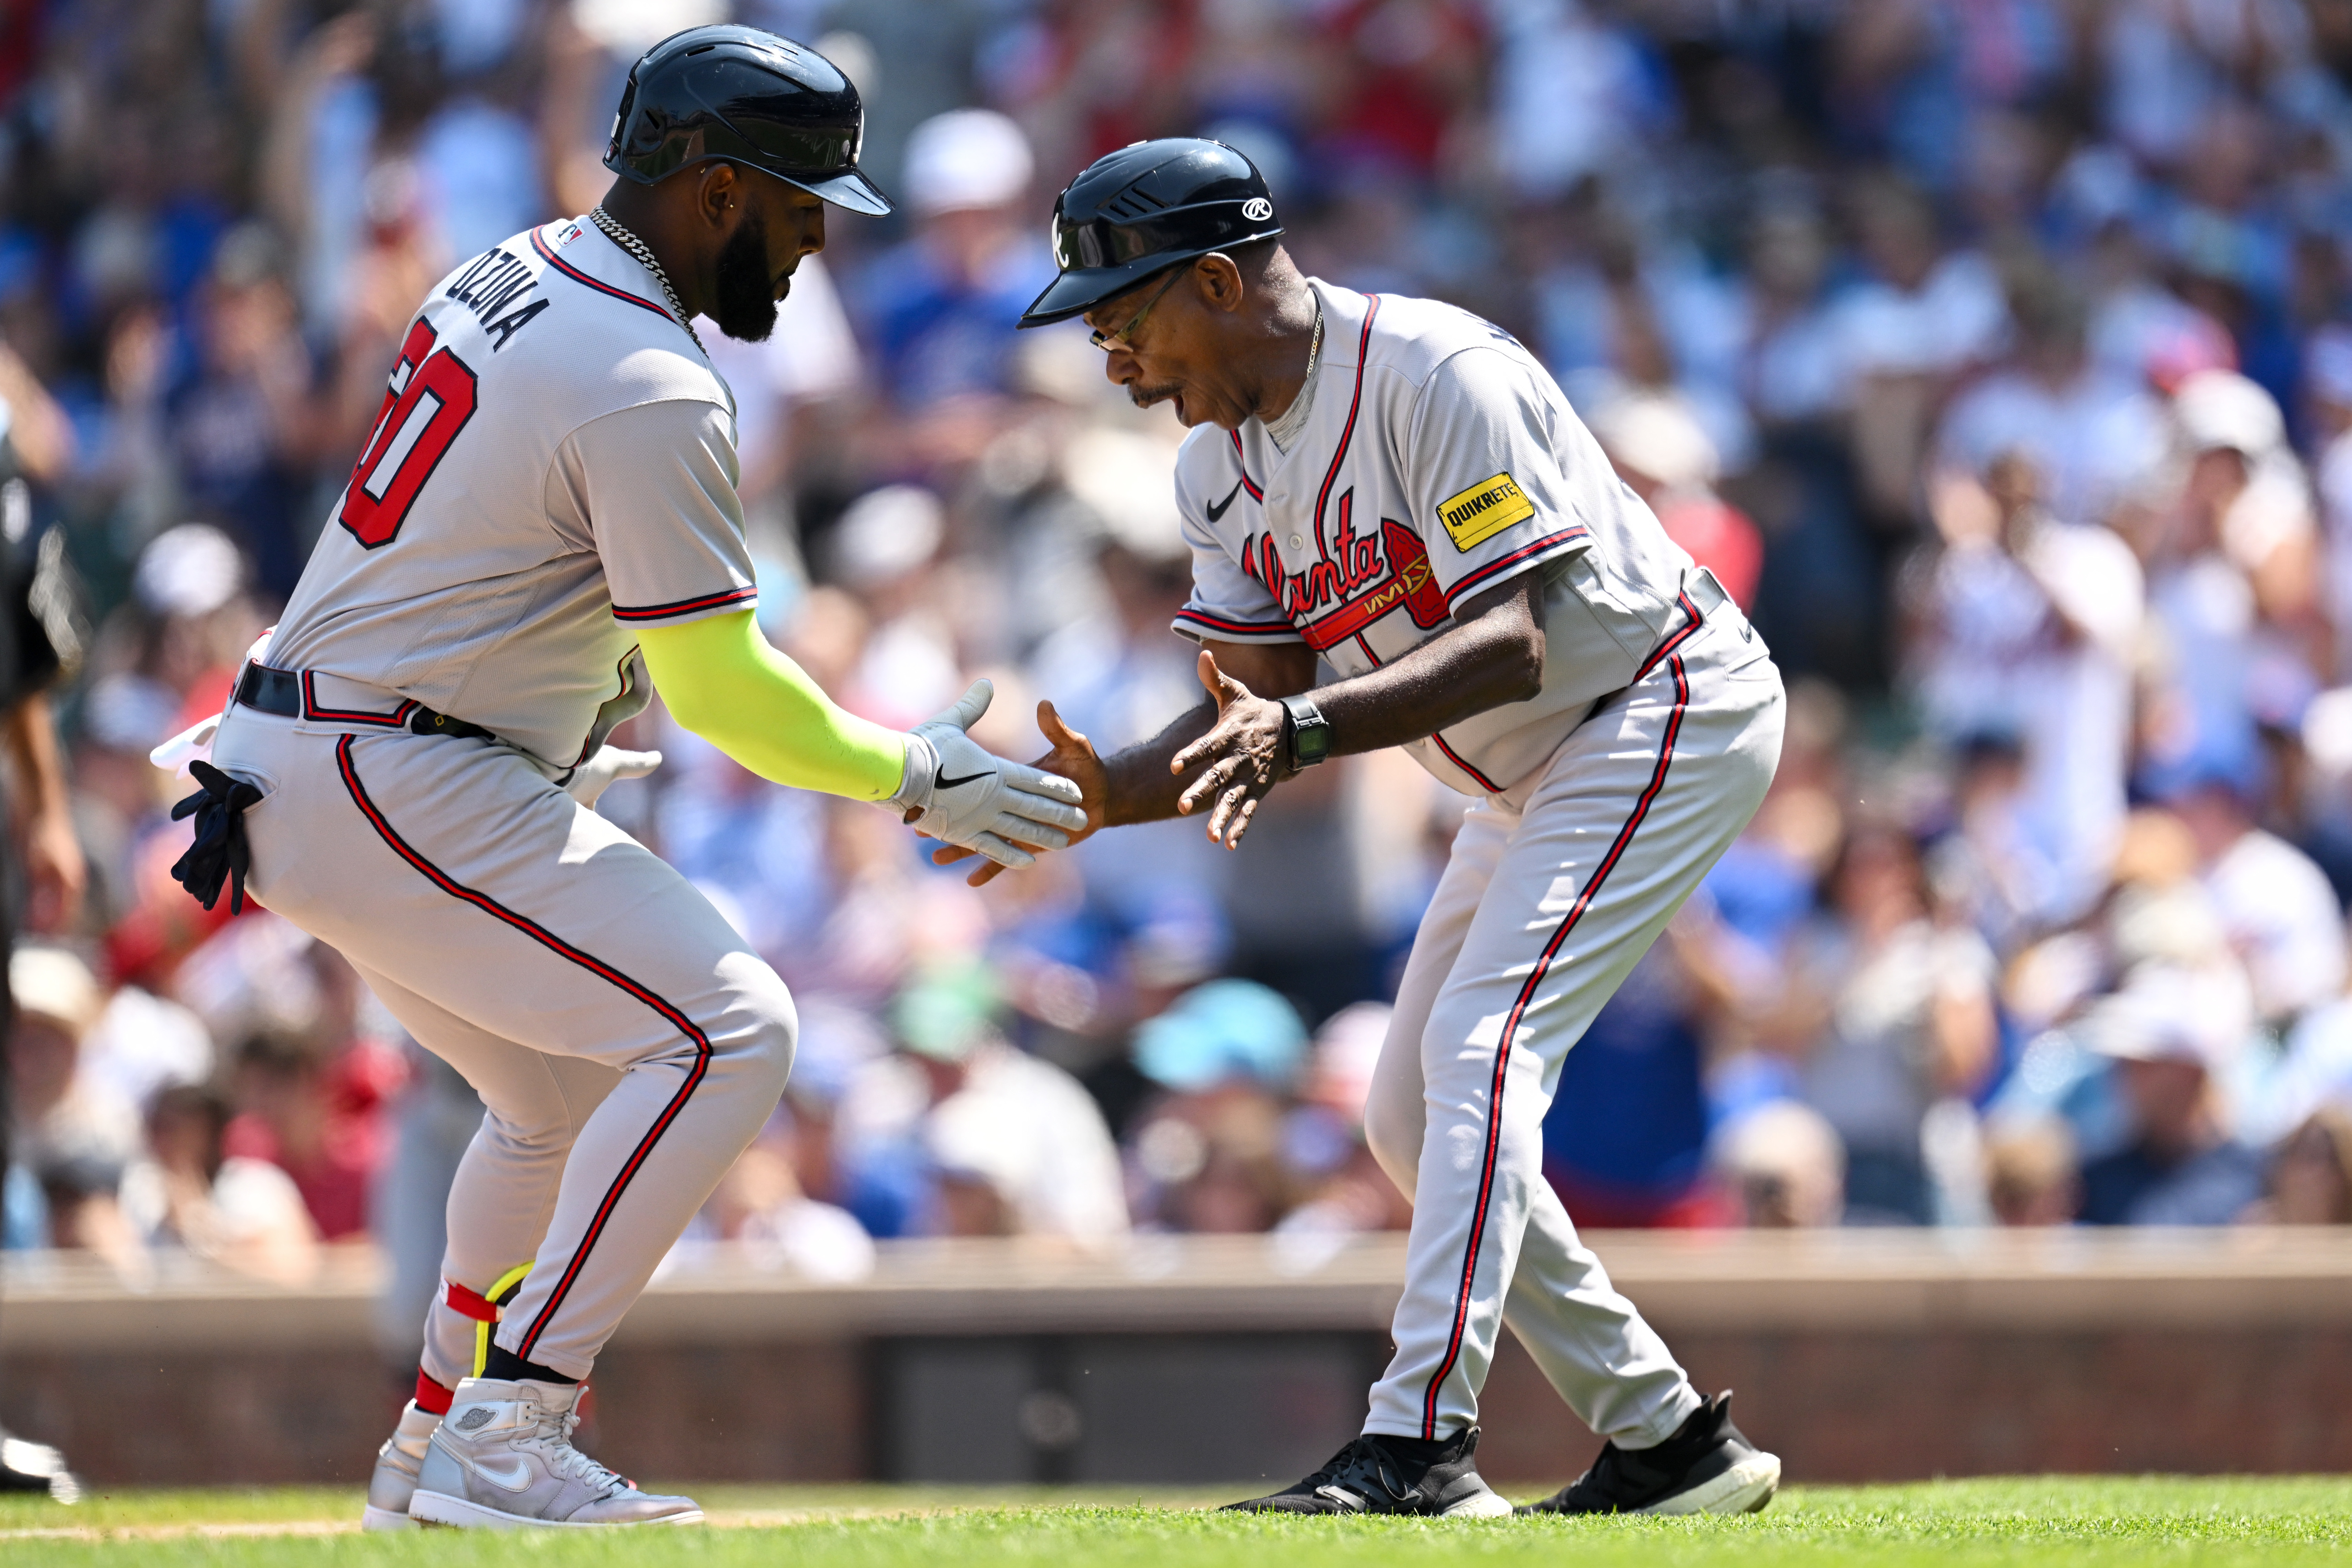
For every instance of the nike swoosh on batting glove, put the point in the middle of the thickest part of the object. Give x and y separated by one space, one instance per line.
976 800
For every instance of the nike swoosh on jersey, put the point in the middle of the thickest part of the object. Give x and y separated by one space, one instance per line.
515 1480
967 778
1217 509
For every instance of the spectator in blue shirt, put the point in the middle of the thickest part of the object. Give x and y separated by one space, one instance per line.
940 310
2165 1033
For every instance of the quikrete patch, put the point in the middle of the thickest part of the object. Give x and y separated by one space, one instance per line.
1484 510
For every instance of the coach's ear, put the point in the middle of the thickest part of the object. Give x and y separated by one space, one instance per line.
1219 282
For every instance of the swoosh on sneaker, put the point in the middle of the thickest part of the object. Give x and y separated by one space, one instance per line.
515 1480
1217 509
967 778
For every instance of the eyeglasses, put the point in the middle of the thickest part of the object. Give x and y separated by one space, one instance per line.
1117 340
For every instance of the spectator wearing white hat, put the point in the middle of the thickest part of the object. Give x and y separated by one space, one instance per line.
2028 626
71 1131
2088 429
2167 1031
1658 446
2230 576
2280 912
1016 1146
939 309
1785 1165
885 553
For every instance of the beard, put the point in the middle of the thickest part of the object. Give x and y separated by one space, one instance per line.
746 306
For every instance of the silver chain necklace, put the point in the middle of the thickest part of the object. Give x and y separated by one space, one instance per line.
621 237
1285 429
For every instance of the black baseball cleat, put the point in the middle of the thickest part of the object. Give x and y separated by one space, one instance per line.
1706 1466
1380 1473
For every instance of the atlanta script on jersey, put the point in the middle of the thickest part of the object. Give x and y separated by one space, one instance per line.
1439 459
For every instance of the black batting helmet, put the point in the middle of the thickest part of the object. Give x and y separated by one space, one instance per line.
1143 209
750 97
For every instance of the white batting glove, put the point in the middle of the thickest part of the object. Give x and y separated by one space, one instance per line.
592 778
970 797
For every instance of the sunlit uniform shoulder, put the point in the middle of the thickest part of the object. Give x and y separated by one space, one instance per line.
552 465
1438 461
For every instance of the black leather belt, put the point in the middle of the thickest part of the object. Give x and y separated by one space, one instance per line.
289 694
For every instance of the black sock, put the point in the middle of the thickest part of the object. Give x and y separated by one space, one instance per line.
1421 1450
507 1367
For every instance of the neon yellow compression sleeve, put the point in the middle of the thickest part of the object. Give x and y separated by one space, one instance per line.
723 680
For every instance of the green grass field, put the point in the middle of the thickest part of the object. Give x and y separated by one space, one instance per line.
2075 1522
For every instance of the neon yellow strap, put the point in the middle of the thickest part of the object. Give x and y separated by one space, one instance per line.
498 1295
723 681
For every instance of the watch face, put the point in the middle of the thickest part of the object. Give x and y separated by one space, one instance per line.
1312 742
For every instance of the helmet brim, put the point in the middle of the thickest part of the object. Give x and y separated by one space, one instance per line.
1076 292
850 189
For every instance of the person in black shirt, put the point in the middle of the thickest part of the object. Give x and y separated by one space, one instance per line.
38 641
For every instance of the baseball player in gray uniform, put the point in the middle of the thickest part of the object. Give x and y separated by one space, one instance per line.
1397 488
544 519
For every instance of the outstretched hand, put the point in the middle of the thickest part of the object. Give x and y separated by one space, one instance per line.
969 796
1242 753
1074 758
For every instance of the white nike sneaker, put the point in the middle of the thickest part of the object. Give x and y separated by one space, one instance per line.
396 1471
502 1459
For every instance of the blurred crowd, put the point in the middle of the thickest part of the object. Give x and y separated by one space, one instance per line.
1996 356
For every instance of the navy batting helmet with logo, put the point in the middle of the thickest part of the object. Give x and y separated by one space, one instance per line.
750 97
1143 209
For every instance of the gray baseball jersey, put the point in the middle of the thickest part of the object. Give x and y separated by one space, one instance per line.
552 466
1438 460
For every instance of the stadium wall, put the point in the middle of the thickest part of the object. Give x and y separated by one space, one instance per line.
1857 1355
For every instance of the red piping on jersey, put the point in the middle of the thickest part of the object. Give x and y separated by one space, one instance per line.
1242 462
1504 563
311 708
685 607
1437 738
1489 785
1346 431
579 277
1288 631
1510 1028
1680 638
556 944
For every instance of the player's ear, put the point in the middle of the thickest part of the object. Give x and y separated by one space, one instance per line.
719 195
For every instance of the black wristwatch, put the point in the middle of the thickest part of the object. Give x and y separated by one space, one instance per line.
1307 732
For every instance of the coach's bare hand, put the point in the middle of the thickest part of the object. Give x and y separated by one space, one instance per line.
1074 758
1243 750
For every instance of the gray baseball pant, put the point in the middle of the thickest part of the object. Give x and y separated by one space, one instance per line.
627 1046
1553 894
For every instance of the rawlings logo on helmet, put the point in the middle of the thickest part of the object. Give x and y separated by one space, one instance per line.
1258 209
